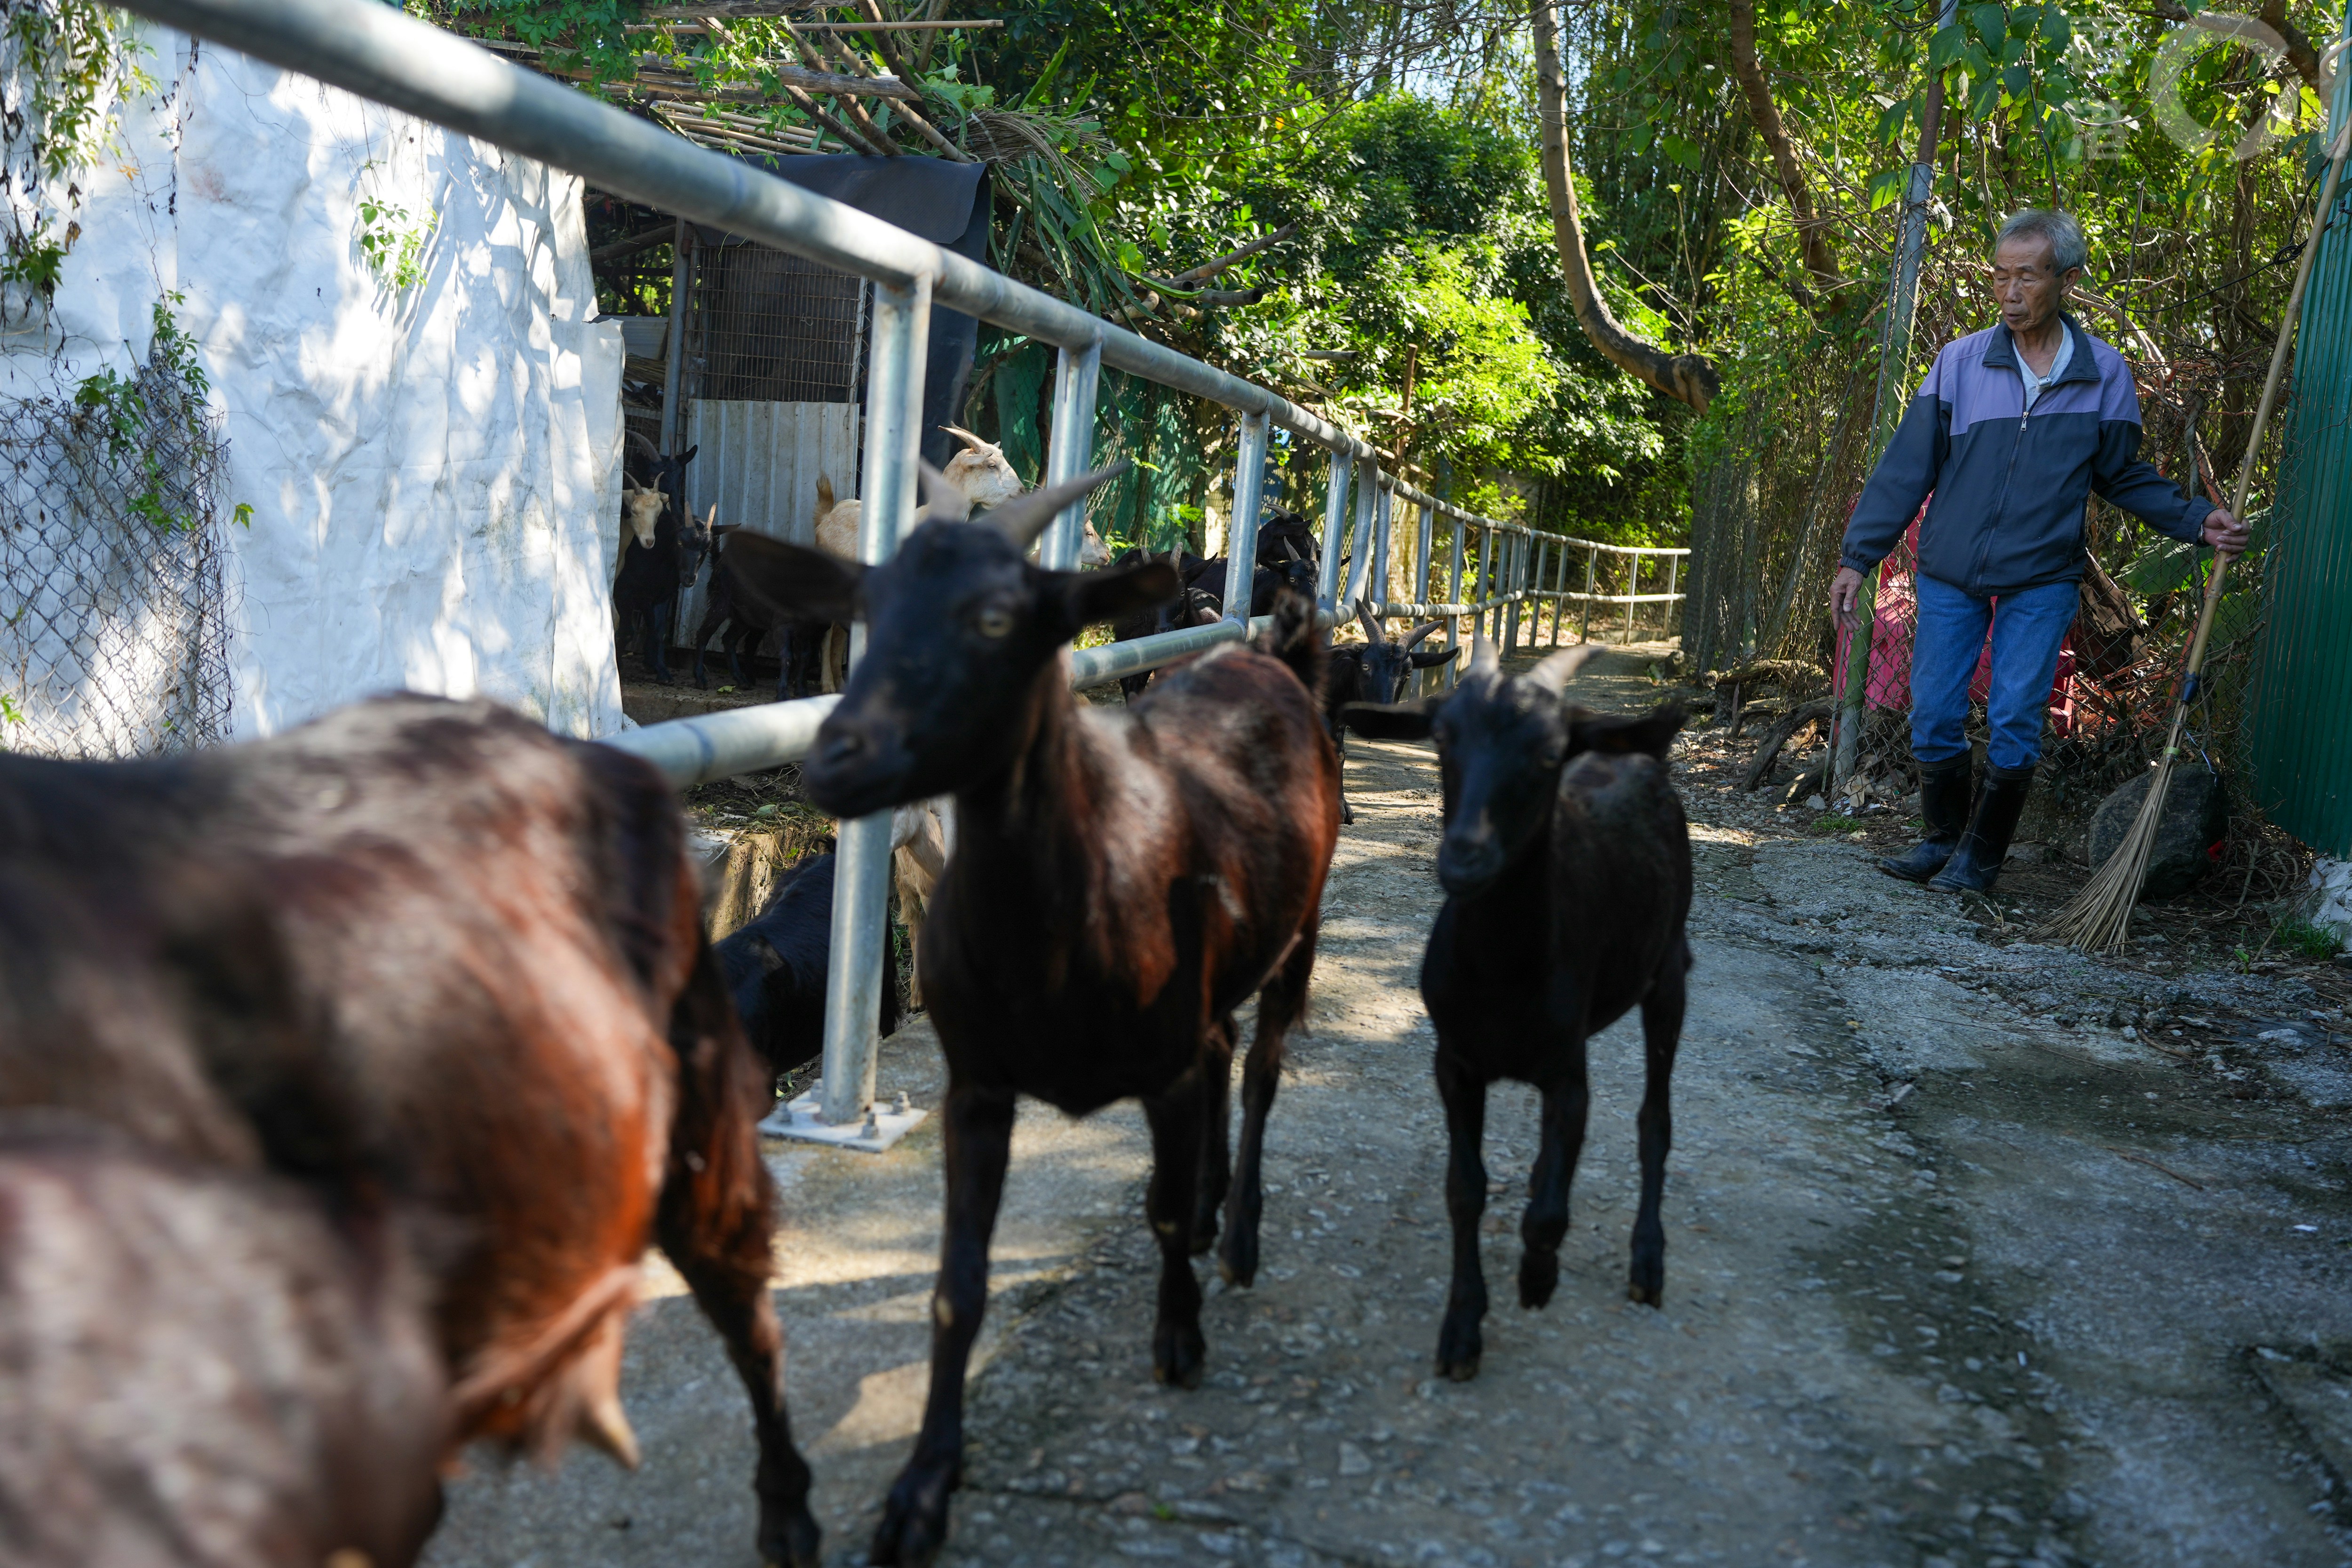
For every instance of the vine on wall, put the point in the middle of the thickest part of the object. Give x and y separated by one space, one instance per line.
66 67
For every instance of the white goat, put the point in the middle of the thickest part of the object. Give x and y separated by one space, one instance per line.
922 837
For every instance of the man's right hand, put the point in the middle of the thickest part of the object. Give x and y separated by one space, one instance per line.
1845 595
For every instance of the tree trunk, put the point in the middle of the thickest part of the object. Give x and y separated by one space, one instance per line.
1689 378
1821 261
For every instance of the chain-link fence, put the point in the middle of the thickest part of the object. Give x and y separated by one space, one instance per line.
113 608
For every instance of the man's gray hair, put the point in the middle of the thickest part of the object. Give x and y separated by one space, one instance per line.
2068 249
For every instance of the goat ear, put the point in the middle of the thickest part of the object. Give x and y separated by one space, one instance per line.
720 530
1392 721
1086 598
1653 732
793 580
687 456
1424 658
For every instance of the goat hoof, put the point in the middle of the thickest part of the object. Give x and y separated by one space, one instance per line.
1178 1355
1538 1278
914 1522
1648 1285
1237 1262
793 1543
1204 1237
1458 1352
1458 1369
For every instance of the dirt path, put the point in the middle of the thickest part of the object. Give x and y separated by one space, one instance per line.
1957 1273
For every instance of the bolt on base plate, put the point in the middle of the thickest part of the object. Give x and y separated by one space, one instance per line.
882 1125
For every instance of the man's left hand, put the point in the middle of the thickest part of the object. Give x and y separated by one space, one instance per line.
2225 534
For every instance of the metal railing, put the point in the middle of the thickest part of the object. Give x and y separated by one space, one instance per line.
377 52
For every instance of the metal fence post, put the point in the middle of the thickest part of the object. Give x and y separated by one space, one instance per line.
1592 575
1077 375
1516 567
1424 541
1335 525
1360 536
1454 597
1383 506
1559 582
1632 592
1241 534
674 351
861 890
1665 616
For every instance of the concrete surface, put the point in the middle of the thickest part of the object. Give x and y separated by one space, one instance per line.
1957 1273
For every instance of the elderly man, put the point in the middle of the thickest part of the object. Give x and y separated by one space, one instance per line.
2010 430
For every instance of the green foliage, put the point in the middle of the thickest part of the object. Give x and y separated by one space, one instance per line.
391 240
128 413
2305 939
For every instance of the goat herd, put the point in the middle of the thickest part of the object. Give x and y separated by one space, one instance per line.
345 1077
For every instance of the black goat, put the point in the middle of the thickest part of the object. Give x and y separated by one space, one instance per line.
774 968
1295 571
745 623
1567 868
645 591
1124 879
1192 607
1371 671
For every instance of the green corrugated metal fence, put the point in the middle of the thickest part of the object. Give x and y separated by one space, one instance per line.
2300 742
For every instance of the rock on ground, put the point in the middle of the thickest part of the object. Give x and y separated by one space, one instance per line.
1973 1259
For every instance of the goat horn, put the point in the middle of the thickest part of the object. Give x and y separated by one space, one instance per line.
1421 631
1290 551
1554 672
1482 652
1369 622
943 498
1025 517
650 450
712 521
969 439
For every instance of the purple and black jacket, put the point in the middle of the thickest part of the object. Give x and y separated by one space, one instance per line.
2010 483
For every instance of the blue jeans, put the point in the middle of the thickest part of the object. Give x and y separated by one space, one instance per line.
1945 651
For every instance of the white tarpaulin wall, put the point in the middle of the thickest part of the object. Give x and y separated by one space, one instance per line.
433 470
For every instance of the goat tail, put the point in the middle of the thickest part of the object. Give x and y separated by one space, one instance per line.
1295 641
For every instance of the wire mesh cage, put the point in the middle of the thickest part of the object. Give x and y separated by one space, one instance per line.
768 327
113 609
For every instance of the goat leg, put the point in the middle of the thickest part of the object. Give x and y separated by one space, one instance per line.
977 1126
1178 1350
1662 1028
716 1222
1347 812
1216 1151
1281 1003
1545 1224
1459 1341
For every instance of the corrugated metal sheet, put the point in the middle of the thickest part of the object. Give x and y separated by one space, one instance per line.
2300 742
759 463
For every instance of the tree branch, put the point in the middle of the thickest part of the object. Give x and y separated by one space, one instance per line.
1820 260
1689 378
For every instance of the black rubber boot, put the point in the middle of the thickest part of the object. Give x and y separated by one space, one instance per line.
1944 802
1976 861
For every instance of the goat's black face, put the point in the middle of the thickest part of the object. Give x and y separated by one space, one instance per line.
1501 742
957 628
694 539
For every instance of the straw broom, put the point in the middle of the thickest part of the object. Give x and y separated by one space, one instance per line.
2099 918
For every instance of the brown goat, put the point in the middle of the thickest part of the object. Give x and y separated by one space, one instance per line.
420 954
1124 879
204 1367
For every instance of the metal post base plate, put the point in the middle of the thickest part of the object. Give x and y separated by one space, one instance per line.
883 1126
